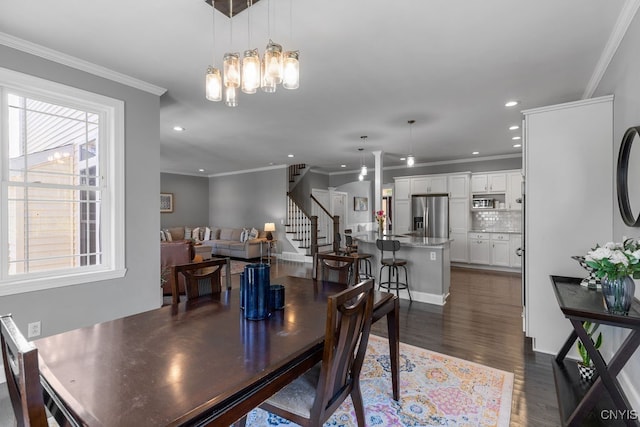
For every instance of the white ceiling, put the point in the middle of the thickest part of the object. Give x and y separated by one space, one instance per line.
367 66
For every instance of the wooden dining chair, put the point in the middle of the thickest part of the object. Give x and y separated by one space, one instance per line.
314 396
23 376
201 278
336 268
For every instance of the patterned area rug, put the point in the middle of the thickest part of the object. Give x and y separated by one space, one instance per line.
435 390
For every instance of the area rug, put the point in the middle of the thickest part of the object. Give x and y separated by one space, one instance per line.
237 267
435 390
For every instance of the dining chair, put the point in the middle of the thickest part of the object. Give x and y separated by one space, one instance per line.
201 278
23 376
314 396
336 268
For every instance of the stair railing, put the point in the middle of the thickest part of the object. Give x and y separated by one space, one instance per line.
328 225
303 226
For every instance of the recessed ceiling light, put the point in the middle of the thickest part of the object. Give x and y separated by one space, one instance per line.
289 155
475 153
343 166
515 138
178 128
200 170
514 127
403 158
517 145
511 104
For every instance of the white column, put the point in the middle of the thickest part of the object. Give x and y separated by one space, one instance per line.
377 184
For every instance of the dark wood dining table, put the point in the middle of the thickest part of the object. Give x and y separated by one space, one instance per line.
198 362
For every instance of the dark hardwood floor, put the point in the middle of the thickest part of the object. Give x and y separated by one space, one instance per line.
481 322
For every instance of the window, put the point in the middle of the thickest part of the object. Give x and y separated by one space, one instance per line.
62 209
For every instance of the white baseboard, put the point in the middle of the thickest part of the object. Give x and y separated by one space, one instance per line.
422 296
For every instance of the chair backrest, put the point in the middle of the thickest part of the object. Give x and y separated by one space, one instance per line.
201 278
388 245
23 376
347 330
336 268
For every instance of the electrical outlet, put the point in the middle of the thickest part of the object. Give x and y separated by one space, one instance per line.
33 329
433 256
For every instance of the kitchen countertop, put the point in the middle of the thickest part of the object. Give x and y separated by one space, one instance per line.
489 230
410 239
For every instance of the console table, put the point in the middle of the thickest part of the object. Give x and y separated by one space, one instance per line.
583 403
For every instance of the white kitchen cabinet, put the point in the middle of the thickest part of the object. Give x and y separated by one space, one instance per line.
500 244
459 215
429 184
459 186
402 189
479 248
458 247
401 219
489 183
514 191
515 242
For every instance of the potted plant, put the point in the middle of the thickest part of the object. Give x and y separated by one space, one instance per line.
616 265
585 366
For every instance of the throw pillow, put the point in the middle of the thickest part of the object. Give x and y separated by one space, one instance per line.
163 238
207 234
253 234
244 235
167 234
195 233
188 233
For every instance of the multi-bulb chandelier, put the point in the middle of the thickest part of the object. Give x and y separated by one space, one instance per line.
250 73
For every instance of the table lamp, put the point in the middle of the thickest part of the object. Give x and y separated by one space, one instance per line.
269 227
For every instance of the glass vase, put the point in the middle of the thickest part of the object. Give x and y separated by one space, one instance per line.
618 294
256 291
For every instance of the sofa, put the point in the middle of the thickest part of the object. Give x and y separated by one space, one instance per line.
224 241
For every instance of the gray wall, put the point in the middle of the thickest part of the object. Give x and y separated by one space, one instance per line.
303 188
621 79
358 189
250 200
190 200
71 307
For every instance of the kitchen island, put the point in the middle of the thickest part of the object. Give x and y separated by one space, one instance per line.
428 264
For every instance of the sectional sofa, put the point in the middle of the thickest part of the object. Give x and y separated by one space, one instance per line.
224 241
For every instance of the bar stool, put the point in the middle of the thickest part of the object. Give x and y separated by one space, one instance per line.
392 264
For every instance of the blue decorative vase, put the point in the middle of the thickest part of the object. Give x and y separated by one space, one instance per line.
256 291
618 294
242 289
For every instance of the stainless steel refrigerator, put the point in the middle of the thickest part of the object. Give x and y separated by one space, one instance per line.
430 214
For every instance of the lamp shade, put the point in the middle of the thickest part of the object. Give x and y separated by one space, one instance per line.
213 86
269 227
250 71
291 70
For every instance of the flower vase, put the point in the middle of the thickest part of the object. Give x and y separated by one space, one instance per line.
586 371
380 230
618 294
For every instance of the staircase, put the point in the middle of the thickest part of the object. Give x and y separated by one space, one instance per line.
302 229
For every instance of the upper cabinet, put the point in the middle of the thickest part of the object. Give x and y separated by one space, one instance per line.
489 183
429 184
402 188
459 186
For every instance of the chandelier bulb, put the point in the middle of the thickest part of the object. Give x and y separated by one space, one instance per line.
213 85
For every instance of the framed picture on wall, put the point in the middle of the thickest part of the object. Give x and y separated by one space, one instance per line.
360 204
166 202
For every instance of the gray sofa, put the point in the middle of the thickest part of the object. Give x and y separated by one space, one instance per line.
224 241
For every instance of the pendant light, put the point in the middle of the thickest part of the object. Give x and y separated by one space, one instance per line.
291 63
231 61
251 61
231 96
213 80
363 167
410 159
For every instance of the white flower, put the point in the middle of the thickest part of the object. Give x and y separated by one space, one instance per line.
618 257
598 254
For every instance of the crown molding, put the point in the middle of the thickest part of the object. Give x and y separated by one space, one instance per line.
617 34
240 172
77 63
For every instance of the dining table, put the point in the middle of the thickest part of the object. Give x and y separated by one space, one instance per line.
197 362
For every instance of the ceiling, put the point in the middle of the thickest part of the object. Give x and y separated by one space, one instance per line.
366 68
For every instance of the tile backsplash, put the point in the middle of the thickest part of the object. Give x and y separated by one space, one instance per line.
494 220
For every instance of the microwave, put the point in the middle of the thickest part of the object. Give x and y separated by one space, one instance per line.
482 203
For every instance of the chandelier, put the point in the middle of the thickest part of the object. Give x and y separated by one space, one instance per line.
251 73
